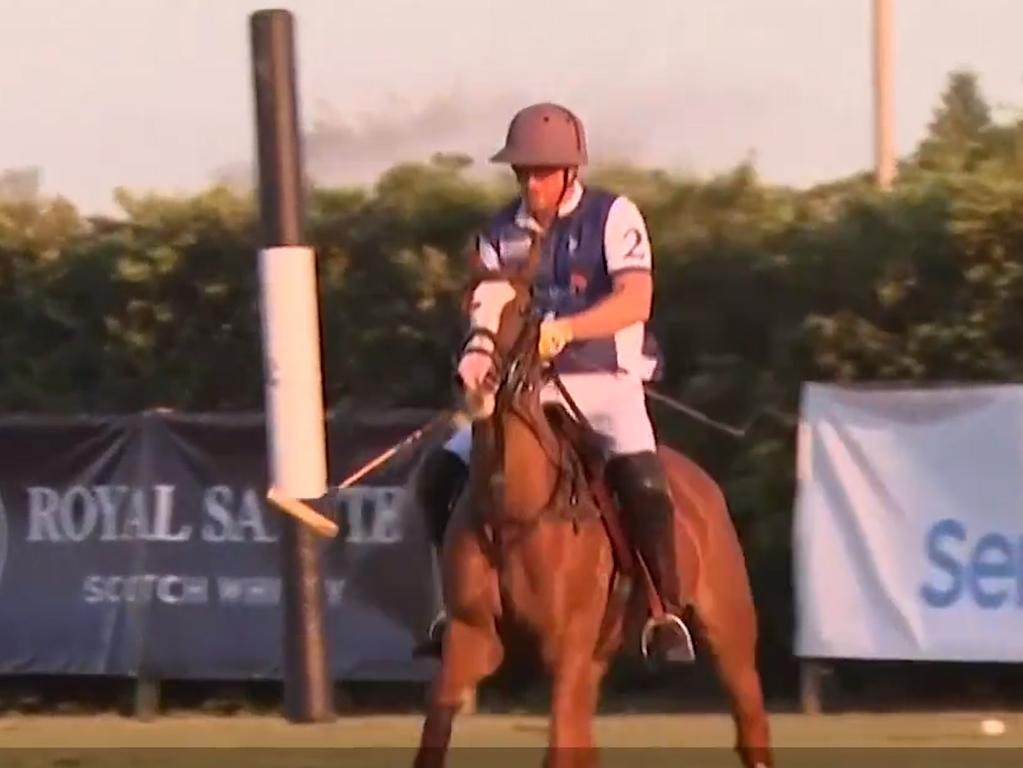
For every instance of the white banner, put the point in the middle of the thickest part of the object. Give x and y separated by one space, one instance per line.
908 532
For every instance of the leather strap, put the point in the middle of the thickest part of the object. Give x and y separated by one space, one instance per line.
654 602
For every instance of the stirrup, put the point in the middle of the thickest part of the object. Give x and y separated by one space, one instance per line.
436 629
687 656
432 645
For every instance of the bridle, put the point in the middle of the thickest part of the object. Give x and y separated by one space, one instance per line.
508 374
511 376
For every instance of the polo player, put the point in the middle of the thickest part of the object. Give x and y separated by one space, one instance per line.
594 285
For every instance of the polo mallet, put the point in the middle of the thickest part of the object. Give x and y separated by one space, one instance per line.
322 524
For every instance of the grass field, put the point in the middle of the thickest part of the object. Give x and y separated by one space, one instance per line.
635 741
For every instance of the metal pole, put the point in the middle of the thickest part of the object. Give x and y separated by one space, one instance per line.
884 152
291 337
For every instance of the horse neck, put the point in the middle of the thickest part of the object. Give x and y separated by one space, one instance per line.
530 476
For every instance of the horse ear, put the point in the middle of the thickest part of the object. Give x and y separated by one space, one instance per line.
475 272
471 252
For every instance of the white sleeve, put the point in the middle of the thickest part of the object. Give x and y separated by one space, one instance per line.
626 242
487 253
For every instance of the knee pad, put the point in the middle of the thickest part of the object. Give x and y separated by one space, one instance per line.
637 478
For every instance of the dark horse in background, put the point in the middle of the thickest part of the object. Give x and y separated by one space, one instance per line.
531 547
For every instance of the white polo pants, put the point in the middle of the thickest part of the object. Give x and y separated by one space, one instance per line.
614 404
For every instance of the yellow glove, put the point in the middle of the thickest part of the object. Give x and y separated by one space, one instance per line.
554 336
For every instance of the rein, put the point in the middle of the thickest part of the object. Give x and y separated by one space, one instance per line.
511 372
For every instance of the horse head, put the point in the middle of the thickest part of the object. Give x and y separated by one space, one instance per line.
500 376
499 362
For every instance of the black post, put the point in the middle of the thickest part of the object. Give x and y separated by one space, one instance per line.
278 138
307 683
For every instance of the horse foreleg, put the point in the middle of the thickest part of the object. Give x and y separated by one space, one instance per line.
470 654
471 649
743 683
576 687
725 612
436 736
731 634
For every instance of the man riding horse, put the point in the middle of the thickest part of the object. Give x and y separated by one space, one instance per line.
595 287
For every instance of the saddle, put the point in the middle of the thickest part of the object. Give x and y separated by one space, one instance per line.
587 447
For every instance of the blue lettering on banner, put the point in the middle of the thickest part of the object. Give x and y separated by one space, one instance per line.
990 573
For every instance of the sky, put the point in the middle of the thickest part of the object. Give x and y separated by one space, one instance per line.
156 95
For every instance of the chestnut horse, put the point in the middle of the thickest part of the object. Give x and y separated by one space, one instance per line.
527 550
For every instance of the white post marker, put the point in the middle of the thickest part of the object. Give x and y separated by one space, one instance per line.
294 395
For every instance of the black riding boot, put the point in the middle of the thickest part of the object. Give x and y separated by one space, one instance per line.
440 482
641 487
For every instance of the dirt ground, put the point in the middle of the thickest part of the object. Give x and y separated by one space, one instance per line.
631 741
